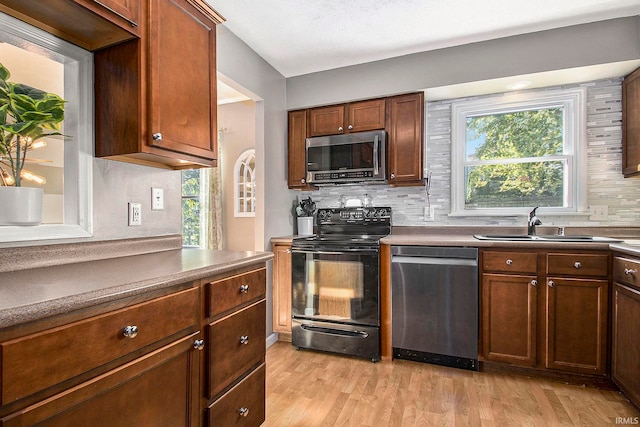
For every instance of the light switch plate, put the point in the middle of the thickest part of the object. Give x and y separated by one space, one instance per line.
157 199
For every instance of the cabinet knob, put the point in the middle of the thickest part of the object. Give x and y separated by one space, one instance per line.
130 331
577 264
288 251
157 136
303 181
198 344
350 127
534 283
244 289
550 283
244 412
340 129
244 339
630 272
393 175
509 261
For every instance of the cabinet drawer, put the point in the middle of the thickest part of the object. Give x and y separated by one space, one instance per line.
510 262
243 405
626 271
35 362
227 294
236 345
578 264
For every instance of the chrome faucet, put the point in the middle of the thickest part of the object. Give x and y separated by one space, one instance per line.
533 221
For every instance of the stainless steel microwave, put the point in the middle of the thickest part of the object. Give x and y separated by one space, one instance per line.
349 158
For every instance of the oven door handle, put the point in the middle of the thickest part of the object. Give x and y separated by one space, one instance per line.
341 252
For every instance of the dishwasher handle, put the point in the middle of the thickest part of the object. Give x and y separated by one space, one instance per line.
398 259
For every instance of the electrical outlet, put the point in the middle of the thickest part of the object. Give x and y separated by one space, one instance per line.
598 212
157 199
135 214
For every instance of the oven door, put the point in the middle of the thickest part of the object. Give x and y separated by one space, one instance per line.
340 286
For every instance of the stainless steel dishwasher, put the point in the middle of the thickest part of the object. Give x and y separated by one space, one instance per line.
434 300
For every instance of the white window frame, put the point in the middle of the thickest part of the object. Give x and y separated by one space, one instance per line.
574 104
239 182
78 156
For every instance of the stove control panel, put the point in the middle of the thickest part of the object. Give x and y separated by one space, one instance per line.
355 215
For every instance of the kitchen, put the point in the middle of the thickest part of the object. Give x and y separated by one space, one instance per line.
117 183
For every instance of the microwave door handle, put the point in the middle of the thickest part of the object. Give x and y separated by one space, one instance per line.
375 155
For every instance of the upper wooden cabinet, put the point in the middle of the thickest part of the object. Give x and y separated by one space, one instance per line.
90 24
631 125
149 108
401 116
354 117
405 129
296 136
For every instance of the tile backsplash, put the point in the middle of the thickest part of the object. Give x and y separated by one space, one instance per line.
605 183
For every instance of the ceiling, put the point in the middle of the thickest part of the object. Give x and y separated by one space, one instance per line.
300 37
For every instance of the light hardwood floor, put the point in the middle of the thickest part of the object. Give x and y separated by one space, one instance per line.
307 389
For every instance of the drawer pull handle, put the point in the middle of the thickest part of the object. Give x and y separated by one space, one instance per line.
630 272
534 283
551 283
130 331
244 412
244 289
198 344
577 264
244 339
509 261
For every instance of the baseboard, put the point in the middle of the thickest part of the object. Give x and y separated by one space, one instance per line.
272 339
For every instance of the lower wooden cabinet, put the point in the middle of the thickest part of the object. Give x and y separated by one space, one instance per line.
546 310
509 318
282 290
625 352
236 349
156 389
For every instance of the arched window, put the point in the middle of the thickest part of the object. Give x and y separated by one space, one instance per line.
244 184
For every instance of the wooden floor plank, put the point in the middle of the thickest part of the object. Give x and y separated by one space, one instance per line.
308 389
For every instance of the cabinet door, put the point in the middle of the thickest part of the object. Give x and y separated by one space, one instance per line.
157 389
405 118
282 290
297 174
631 124
509 318
124 13
576 325
243 405
625 351
182 79
366 115
326 120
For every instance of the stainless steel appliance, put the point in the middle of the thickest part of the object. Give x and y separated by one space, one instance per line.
335 282
348 158
434 303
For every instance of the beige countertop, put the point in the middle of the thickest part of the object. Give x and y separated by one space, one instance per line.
33 294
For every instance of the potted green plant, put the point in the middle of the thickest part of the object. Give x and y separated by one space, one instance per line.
27 115
305 210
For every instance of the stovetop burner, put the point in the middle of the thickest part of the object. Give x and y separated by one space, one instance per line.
348 227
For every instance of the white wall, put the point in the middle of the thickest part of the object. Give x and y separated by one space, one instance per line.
238 123
581 45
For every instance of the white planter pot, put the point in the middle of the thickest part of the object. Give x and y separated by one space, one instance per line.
20 205
305 226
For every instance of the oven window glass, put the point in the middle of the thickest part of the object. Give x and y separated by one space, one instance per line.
336 287
340 157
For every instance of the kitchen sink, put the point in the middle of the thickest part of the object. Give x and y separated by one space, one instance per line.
545 238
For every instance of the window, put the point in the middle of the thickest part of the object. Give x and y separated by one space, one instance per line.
31 54
193 210
245 184
518 151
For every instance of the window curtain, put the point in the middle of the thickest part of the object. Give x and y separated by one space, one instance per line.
213 202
